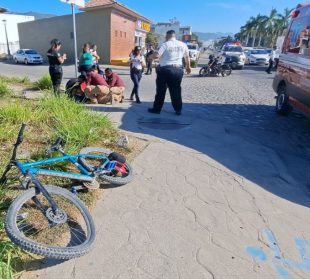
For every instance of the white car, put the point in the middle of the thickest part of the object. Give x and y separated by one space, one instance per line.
193 51
27 56
236 53
258 56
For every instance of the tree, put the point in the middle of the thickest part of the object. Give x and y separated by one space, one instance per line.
152 39
264 30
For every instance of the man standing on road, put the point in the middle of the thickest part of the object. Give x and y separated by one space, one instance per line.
274 59
170 72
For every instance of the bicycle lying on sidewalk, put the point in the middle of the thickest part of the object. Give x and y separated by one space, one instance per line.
49 220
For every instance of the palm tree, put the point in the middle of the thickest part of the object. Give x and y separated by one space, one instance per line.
261 28
265 28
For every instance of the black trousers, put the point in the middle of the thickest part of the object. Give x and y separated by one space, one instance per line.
276 62
169 77
56 77
149 66
270 65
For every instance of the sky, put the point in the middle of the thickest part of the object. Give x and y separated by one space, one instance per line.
202 15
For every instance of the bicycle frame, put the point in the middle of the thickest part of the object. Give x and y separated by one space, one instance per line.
84 175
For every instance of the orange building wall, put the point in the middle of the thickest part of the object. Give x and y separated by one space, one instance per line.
122 36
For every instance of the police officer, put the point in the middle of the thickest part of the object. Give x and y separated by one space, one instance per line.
55 60
170 72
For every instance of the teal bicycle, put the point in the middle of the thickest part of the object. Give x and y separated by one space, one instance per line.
52 221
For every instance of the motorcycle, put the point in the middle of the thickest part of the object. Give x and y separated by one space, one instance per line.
216 68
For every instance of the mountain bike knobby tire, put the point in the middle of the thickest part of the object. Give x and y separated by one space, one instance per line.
37 218
115 180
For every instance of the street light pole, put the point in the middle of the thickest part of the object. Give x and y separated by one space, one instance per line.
6 36
75 44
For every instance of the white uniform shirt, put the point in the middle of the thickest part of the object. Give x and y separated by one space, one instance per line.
171 52
137 62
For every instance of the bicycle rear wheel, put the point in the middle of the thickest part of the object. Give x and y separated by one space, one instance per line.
32 225
121 177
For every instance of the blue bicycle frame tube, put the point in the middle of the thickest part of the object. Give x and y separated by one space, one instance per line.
85 176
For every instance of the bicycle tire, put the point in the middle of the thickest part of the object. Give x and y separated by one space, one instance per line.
119 181
55 252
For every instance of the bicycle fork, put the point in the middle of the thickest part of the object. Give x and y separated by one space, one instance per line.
40 189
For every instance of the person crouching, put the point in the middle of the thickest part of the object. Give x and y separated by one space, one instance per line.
116 84
97 90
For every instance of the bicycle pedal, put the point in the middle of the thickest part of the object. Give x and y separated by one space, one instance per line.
76 189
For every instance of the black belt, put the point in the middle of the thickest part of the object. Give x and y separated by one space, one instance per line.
171 66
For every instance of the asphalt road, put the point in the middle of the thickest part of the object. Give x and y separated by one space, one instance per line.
220 192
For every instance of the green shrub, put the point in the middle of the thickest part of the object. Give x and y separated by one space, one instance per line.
193 63
44 83
4 90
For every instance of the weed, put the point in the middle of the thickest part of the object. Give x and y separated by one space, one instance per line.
4 89
16 80
44 83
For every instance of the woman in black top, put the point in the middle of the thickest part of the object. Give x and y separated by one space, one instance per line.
55 60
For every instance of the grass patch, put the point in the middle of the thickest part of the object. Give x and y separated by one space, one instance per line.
44 83
15 80
4 89
47 119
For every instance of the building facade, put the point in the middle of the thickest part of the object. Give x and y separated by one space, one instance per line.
10 22
160 29
113 27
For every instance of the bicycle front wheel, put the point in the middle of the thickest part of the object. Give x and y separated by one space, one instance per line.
34 226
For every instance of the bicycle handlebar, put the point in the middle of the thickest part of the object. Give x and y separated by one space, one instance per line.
57 145
20 136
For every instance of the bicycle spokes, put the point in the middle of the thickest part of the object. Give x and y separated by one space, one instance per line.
63 227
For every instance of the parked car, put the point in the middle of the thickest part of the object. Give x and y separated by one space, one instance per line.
257 56
193 51
27 56
246 50
236 53
292 80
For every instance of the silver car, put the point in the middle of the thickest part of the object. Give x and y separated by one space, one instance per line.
27 56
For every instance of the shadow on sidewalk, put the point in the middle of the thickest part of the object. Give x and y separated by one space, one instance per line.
250 140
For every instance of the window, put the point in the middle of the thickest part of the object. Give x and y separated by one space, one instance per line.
297 40
115 33
125 34
121 34
71 35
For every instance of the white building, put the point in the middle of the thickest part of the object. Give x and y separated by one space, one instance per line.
161 28
11 21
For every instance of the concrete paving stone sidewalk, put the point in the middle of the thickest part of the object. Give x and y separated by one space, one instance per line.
186 215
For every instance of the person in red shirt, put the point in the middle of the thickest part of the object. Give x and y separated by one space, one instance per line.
116 85
97 89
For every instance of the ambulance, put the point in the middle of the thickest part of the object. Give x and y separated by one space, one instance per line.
292 80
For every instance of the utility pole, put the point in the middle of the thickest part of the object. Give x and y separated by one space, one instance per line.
74 38
6 36
80 3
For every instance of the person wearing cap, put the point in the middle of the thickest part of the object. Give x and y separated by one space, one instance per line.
170 72
137 63
55 59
